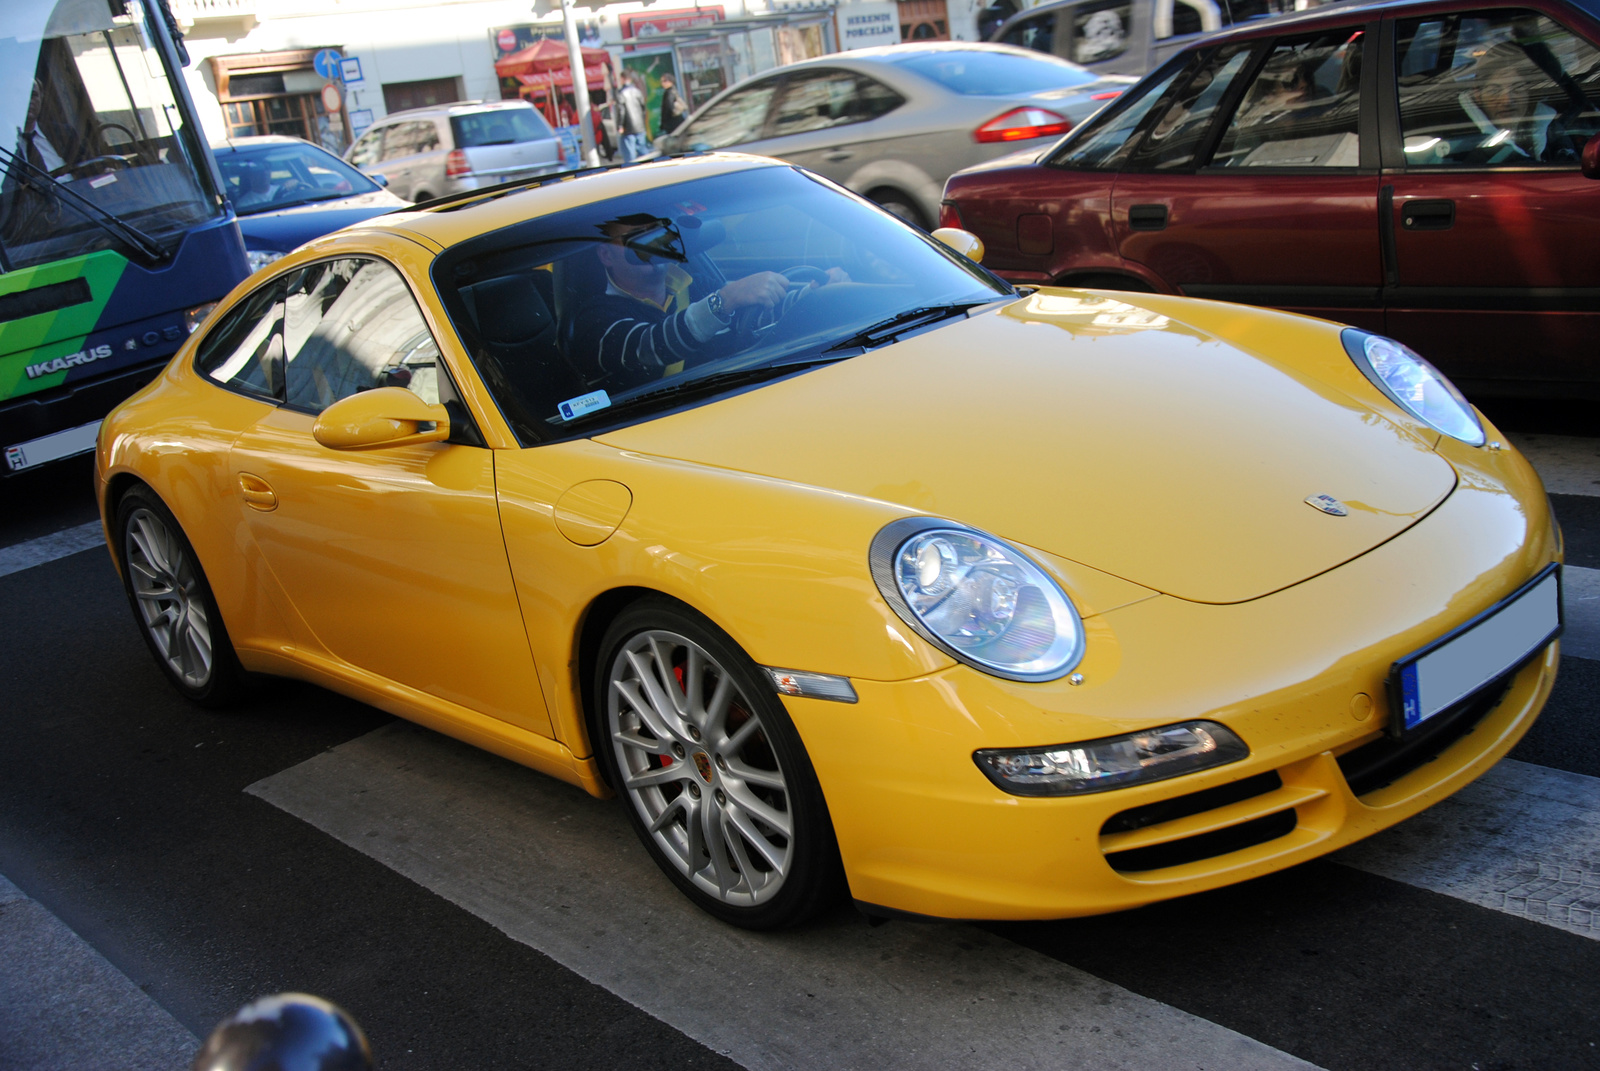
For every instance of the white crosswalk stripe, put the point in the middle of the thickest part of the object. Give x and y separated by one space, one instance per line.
14 559
1522 839
562 872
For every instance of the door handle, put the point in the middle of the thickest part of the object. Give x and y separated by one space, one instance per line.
1147 217
1428 215
257 493
837 154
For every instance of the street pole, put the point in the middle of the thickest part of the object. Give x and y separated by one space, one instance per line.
580 86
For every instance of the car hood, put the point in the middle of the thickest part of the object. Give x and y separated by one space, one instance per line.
288 228
1096 430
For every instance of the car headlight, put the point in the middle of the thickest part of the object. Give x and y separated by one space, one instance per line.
1117 761
1413 384
260 258
978 599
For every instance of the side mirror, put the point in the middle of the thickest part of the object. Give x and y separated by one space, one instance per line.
966 243
1590 161
386 416
381 180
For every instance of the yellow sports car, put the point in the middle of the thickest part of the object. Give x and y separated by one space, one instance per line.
844 563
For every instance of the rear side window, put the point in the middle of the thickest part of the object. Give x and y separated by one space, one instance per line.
1104 143
993 74
503 126
244 352
1301 109
1506 88
369 150
1179 124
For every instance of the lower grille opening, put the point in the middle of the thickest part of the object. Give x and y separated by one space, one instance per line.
1207 799
1206 845
1383 762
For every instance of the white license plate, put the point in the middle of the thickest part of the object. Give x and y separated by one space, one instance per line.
46 448
1485 648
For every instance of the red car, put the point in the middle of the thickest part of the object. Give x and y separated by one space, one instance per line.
1420 169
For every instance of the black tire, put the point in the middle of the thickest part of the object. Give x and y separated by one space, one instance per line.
898 204
172 602
741 824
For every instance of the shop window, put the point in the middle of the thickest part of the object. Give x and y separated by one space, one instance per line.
278 93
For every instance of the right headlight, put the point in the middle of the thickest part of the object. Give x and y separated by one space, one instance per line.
1413 384
978 599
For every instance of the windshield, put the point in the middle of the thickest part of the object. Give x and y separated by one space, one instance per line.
269 177
974 73
84 99
610 312
503 126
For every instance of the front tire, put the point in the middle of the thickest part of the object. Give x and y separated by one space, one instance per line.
711 770
173 604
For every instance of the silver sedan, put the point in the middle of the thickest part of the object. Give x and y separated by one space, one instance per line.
893 123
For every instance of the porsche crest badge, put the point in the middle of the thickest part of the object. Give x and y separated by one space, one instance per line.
1328 504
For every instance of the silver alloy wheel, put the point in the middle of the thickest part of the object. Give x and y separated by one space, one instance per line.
169 594
697 766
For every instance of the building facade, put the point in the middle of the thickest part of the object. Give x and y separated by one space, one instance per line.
324 70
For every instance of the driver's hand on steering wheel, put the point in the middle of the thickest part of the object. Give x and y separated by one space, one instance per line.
764 288
835 275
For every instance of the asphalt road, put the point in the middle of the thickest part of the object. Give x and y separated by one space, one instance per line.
473 914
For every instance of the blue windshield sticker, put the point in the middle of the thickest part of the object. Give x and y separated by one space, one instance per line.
573 408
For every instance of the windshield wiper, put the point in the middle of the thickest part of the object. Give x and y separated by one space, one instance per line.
889 329
718 381
39 180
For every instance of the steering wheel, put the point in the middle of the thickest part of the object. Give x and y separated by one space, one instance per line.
136 144
840 303
805 274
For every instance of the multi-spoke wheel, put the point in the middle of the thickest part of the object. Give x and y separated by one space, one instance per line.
173 603
716 781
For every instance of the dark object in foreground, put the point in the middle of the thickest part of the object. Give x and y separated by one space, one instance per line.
286 1032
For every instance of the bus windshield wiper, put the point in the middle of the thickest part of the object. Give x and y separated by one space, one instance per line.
887 330
40 181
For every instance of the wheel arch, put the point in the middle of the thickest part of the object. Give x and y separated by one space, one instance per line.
1100 279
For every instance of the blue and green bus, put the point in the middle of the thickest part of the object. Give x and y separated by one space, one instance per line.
115 237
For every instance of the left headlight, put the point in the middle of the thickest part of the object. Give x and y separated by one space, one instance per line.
260 258
978 599
1413 384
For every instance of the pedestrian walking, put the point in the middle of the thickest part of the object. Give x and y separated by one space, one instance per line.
673 110
635 127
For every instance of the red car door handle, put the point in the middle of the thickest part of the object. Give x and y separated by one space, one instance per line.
1428 215
1147 217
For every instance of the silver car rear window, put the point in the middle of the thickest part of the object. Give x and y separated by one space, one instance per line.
974 73
503 126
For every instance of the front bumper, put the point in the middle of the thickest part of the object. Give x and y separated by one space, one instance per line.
1299 675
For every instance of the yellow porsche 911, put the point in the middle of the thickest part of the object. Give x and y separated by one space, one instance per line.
844 563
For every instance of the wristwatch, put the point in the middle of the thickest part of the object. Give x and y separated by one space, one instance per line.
714 303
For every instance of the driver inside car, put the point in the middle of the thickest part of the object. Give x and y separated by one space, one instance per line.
645 325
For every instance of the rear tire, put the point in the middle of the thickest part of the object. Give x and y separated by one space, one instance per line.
1127 283
898 204
710 769
172 602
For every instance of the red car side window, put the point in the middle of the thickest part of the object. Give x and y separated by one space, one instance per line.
1177 132
1301 109
1506 87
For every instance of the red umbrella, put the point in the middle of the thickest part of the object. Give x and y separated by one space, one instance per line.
546 55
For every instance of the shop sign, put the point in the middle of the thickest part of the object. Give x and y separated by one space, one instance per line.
641 24
863 25
509 39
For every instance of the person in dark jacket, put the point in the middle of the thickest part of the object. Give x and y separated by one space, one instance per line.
652 321
673 110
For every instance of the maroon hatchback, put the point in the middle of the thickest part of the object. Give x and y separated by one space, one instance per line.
1413 168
